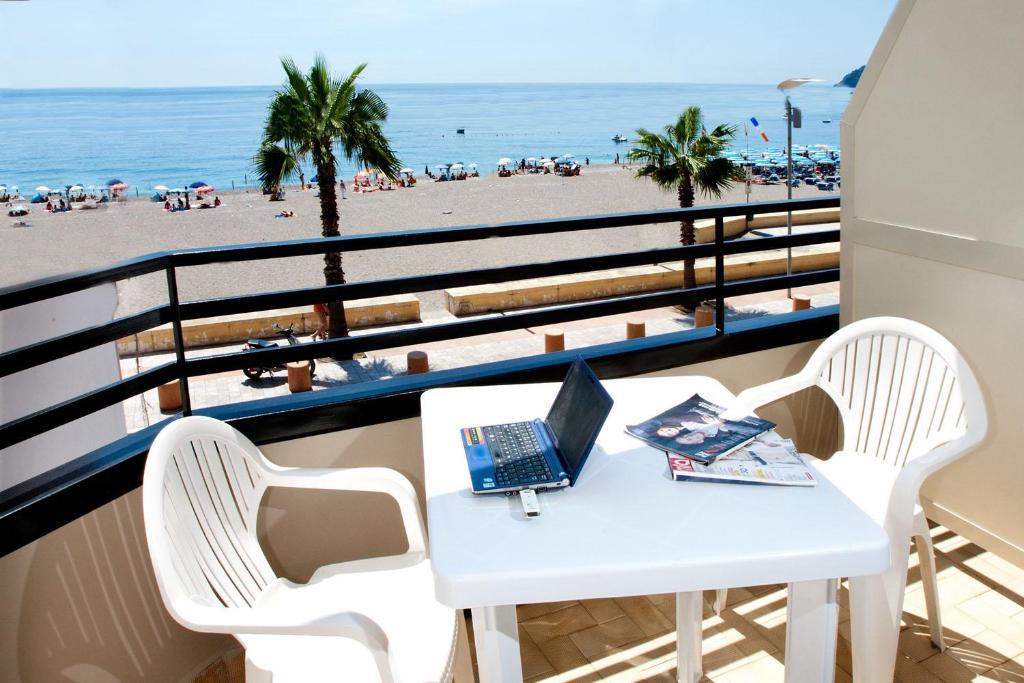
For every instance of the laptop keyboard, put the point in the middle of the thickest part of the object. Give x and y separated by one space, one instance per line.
518 459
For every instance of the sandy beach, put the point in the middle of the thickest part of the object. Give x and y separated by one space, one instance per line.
61 243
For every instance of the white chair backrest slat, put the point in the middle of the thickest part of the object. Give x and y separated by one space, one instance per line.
896 389
212 487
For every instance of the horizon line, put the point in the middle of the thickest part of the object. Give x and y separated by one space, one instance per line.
383 83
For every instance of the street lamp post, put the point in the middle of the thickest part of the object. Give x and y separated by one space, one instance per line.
784 87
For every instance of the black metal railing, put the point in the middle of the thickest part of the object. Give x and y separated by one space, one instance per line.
175 311
47 501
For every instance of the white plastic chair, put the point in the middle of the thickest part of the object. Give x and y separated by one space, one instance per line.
367 620
909 405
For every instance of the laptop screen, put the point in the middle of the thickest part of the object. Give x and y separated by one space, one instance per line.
576 416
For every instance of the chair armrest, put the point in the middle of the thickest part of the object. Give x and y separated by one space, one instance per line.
943 448
755 397
369 479
290 622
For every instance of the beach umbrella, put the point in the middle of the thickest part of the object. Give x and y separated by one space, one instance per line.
3 188
114 181
75 188
504 161
454 166
117 187
198 184
566 157
204 189
406 170
473 165
43 189
160 188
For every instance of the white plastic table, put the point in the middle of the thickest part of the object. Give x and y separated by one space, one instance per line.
626 528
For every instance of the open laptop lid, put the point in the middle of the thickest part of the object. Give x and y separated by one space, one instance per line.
577 415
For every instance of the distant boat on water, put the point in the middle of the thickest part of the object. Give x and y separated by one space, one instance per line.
460 131
619 138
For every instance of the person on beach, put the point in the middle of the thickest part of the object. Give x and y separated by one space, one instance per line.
341 186
586 160
167 205
49 205
323 321
216 202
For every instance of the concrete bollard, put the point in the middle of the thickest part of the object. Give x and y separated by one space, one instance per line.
704 316
299 378
169 396
554 340
635 329
416 362
801 302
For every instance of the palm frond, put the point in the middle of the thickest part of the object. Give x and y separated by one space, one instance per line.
273 164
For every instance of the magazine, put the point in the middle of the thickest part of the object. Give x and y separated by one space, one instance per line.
699 430
767 460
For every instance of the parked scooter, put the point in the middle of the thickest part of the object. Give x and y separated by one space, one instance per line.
253 344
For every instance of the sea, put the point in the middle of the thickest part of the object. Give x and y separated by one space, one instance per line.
177 136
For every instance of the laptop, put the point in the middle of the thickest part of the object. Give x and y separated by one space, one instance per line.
541 454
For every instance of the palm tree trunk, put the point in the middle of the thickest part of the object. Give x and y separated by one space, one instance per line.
333 272
687 233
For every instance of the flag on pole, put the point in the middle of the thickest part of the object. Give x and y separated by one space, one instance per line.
757 127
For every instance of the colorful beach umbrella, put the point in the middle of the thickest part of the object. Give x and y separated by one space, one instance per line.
114 181
204 189
117 187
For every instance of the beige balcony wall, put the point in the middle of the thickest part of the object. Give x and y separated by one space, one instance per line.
933 225
46 385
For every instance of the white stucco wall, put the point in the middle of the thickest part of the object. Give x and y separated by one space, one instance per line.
36 388
933 225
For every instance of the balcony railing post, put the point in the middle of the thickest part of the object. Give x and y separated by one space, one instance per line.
179 340
719 275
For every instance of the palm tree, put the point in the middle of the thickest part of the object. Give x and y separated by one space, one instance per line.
687 158
318 115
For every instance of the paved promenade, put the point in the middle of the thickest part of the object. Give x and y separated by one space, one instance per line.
233 387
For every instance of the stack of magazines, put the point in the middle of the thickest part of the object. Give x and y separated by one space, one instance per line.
704 443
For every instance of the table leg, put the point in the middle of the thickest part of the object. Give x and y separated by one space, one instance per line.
875 624
689 636
497 644
812 626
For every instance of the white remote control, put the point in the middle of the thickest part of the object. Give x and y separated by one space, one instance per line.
528 497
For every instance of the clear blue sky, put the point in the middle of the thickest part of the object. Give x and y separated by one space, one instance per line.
142 43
